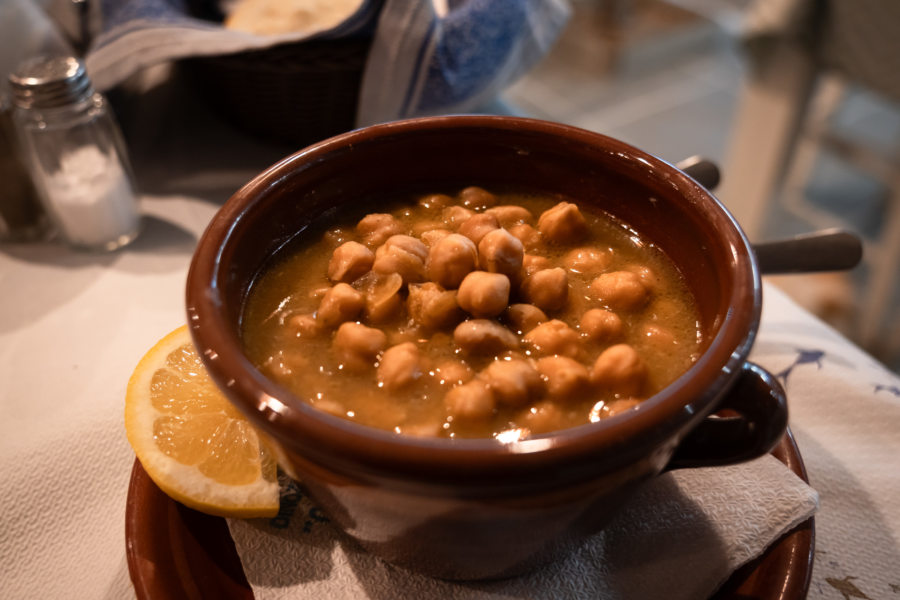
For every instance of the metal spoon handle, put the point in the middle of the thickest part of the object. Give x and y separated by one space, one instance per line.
827 250
703 171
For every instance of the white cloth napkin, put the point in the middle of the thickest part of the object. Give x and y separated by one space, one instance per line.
680 538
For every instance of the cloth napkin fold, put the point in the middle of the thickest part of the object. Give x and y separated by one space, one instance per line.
681 537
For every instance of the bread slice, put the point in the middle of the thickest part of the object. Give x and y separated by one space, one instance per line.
274 17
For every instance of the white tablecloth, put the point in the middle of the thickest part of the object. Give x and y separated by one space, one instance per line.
73 326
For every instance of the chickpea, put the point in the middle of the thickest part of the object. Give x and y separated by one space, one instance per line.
295 360
543 417
600 325
453 372
562 224
476 197
484 294
620 290
280 366
350 261
471 401
554 337
565 378
658 337
454 216
304 325
319 292
500 252
403 334
529 236
435 201
524 317
433 236
509 215
532 263
382 292
433 307
341 303
408 244
619 368
383 309
421 227
548 289
399 367
614 407
514 382
404 255
479 226
482 336
647 276
451 259
589 261
356 345
375 228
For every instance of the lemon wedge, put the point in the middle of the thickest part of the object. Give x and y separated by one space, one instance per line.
191 441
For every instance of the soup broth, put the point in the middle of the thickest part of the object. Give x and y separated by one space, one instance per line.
474 314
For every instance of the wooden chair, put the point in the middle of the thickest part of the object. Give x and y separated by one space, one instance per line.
800 65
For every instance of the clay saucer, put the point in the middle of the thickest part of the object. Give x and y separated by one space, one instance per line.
175 552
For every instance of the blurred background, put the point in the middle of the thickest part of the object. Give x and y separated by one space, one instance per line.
796 101
805 140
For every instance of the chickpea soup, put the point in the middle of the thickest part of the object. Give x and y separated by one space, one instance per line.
474 314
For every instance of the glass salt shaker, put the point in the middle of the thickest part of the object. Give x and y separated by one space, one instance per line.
75 153
21 217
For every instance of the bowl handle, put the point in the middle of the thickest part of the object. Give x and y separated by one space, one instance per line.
750 421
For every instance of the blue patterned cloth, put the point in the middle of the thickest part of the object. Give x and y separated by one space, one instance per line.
429 58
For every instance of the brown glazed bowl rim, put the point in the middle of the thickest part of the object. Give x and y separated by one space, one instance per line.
326 439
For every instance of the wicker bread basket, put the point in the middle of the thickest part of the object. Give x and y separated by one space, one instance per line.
295 93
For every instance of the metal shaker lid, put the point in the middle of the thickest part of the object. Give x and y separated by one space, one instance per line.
49 82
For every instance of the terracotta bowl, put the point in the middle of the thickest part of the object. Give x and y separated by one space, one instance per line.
472 509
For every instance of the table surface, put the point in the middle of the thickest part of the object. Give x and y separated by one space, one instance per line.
73 326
